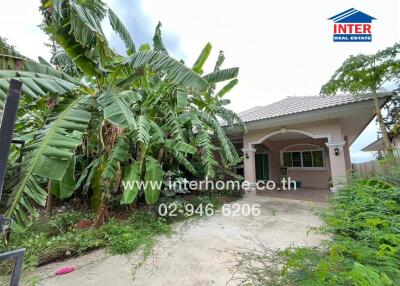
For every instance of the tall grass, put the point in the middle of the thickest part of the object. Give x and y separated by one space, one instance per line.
363 226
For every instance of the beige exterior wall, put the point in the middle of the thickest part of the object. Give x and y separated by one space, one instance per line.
309 178
320 128
326 135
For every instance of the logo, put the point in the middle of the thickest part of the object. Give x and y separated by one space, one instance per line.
352 26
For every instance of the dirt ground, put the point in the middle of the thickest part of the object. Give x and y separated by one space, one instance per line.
200 253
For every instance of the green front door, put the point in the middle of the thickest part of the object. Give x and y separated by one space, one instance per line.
262 167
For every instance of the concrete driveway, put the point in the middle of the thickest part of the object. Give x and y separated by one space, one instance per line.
200 253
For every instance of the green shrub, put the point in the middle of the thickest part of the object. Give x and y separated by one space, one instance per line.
58 238
363 225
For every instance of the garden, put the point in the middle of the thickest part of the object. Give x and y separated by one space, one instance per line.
362 229
92 119
93 124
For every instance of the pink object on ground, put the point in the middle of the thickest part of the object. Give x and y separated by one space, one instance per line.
65 270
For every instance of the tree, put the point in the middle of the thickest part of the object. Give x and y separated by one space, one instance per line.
127 114
368 73
392 120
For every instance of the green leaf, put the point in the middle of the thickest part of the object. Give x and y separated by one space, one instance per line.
79 33
227 88
181 100
120 28
180 146
48 156
116 110
201 60
221 75
87 175
204 142
37 79
157 40
118 154
130 183
143 130
64 188
176 72
153 178
220 60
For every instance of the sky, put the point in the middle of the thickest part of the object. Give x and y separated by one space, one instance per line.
283 48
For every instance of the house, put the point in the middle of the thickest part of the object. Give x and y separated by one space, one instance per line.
379 146
309 137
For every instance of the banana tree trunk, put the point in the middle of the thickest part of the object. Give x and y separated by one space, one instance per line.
382 127
49 203
102 212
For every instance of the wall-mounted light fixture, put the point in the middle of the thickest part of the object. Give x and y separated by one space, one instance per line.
336 150
246 155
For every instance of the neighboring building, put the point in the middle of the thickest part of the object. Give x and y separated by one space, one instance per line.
379 146
309 135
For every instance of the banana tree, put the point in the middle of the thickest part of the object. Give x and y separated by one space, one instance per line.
137 103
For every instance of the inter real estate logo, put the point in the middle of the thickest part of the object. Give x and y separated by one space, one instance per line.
352 26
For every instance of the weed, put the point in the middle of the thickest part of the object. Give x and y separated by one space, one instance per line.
363 223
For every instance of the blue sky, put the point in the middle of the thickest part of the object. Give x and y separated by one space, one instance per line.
283 48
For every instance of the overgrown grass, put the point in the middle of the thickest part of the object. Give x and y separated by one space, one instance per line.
59 237
363 226
179 211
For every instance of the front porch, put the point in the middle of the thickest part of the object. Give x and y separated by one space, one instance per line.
317 161
302 194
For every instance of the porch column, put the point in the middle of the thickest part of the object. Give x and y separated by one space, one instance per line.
250 169
337 161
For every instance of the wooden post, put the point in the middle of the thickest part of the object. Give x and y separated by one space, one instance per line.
7 127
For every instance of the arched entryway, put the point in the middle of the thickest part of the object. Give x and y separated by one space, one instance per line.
313 160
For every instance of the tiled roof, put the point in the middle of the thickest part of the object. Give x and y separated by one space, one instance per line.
299 104
374 146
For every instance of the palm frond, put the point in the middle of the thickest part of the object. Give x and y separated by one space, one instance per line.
227 88
220 60
201 60
181 158
63 62
64 188
230 117
175 71
118 155
225 143
204 142
158 43
221 75
143 130
180 146
120 28
9 50
48 156
78 31
116 110
154 175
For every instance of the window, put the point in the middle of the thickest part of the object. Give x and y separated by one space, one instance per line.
296 158
306 159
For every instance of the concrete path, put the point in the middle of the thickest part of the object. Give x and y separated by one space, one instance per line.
199 254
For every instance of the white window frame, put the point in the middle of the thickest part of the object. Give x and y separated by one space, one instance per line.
301 156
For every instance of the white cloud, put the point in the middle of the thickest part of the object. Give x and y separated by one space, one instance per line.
19 24
283 48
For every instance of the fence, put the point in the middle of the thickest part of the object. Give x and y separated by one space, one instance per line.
367 169
371 168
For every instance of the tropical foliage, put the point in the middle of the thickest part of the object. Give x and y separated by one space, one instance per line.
95 117
362 225
368 73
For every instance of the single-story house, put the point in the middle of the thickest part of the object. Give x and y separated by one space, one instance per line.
308 137
379 146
